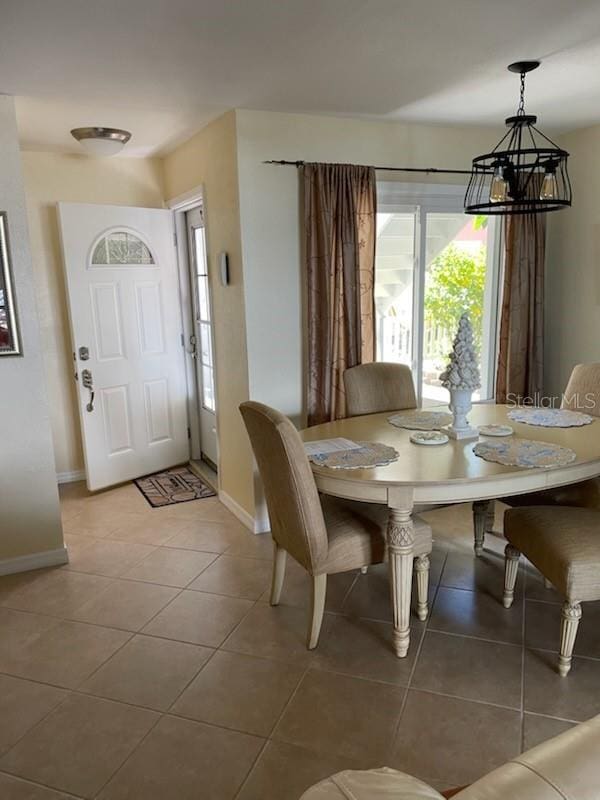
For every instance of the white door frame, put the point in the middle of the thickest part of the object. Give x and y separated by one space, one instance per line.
179 205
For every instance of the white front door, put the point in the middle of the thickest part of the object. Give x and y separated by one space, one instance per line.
125 315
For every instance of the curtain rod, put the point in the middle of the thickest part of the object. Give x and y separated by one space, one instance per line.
385 169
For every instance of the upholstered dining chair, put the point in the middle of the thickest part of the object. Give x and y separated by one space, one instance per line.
564 544
377 387
323 534
582 394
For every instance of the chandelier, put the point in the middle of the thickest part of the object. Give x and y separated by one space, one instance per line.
526 173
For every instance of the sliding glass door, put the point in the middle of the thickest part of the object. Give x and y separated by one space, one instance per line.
433 262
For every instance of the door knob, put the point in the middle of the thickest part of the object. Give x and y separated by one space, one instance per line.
87 382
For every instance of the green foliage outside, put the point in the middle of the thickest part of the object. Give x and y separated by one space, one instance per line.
455 284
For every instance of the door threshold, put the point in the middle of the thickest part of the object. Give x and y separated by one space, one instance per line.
206 473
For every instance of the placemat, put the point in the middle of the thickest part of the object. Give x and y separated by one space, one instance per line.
370 454
550 417
525 453
421 420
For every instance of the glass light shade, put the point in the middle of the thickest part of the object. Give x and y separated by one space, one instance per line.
102 148
498 188
101 142
549 189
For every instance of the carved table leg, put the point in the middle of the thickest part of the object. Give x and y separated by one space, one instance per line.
511 569
481 512
569 622
401 539
422 569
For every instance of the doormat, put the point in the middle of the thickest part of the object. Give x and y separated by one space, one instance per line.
177 485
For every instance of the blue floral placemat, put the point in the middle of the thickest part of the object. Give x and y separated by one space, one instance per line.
550 417
369 454
421 420
525 453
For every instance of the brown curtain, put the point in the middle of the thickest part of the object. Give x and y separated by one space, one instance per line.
339 246
521 348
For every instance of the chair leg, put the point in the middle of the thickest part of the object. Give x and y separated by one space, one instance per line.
480 519
422 570
511 568
547 584
569 622
279 559
317 606
490 517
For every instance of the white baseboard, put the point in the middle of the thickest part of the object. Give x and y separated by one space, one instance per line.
47 558
254 525
71 477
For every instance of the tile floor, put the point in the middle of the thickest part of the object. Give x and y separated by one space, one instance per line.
152 666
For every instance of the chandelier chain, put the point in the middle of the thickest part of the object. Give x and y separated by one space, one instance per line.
521 108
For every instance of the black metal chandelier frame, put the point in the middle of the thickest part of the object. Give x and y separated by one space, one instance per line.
519 163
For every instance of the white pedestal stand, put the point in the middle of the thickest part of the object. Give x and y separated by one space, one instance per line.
460 405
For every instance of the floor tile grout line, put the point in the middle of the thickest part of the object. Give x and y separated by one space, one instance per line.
31 782
549 716
414 666
347 594
514 709
273 729
191 680
70 620
476 638
39 722
523 617
311 667
159 717
156 583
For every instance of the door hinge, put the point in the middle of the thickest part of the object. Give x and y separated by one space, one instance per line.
182 339
175 237
189 433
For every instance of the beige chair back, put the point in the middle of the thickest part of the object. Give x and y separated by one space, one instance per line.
583 389
295 512
373 388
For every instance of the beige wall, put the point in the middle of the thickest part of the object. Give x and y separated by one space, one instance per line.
209 159
50 178
270 217
573 266
29 512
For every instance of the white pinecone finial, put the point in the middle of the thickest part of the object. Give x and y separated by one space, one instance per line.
462 371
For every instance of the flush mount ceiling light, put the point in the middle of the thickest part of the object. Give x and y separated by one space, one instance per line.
525 173
101 141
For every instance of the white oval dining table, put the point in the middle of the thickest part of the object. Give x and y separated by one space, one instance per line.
441 475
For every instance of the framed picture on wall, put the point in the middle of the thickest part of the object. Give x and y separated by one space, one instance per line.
10 342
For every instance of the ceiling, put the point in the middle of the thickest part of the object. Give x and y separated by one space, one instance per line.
164 68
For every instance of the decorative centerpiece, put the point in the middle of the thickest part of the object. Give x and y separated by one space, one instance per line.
461 378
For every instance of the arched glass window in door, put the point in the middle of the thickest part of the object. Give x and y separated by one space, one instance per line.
121 248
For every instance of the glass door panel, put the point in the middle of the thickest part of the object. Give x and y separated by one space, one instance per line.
456 259
203 350
433 262
394 285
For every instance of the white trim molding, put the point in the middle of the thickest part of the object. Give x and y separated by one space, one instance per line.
183 202
71 477
254 524
47 558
